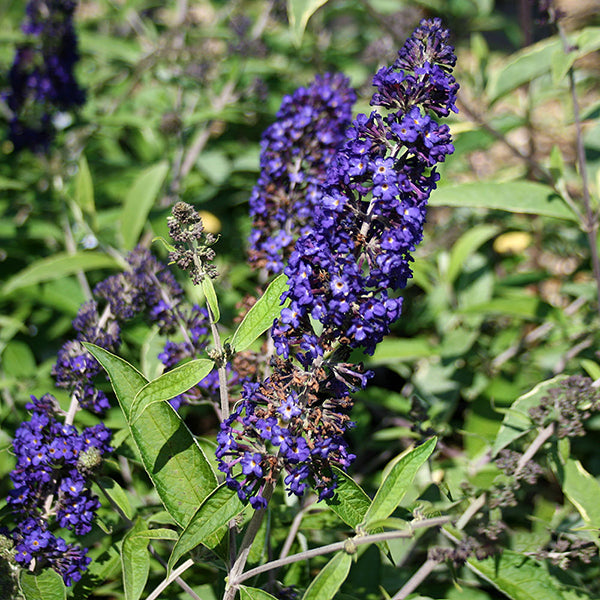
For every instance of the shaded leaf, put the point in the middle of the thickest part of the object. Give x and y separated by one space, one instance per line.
350 502
171 456
139 201
583 490
211 299
169 385
116 494
214 513
330 579
57 266
517 576
397 483
513 196
466 245
261 316
84 187
135 561
299 12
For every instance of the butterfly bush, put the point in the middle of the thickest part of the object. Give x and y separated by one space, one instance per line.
55 461
42 81
296 151
343 274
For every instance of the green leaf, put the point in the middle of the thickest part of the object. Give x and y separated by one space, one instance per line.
350 502
395 350
522 67
517 421
517 576
57 266
211 299
330 579
592 368
586 41
116 494
171 456
261 316
84 188
169 385
135 560
513 196
214 513
466 245
48 585
139 201
250 593
397 483
299 12
11 184
582 490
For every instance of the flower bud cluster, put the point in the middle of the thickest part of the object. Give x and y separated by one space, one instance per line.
296 151
51 488
41 78
569 405
192 252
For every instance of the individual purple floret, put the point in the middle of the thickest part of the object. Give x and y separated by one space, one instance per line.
296 151
41 78
343 276
54 462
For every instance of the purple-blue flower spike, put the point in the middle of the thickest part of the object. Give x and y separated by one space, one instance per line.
296 151
344 272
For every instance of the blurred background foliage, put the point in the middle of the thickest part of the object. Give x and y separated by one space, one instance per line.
178 94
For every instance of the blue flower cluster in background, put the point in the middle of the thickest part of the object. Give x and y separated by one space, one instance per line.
296 150
366 213
42 81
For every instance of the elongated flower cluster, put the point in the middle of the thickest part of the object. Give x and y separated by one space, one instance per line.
291 422
296 151
145 286
343 273
371 210
54 463
41 79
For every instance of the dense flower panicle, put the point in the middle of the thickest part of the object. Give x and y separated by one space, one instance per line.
372 206
296 151
54 461
292 423
41 78
344 272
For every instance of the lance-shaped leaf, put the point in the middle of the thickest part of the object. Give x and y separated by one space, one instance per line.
517 577
397 483
524 197
57 266
139 201
169 385
211 299
84 187
330 579
350 502
171 456
261 316
250 593
299 12
48 585
135 561
214 514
